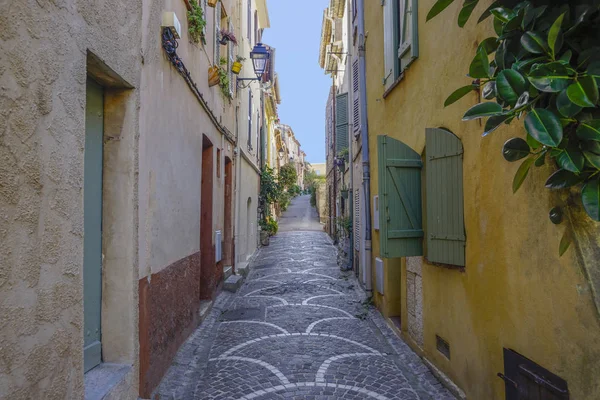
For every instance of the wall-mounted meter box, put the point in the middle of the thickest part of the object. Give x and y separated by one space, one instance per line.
376 213
169 20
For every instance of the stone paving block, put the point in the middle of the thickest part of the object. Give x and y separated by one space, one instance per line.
233 283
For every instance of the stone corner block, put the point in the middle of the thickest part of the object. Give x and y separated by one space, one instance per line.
233 283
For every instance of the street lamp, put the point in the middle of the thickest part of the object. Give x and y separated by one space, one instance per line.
259 56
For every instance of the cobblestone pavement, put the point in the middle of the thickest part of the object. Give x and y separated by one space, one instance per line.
299 328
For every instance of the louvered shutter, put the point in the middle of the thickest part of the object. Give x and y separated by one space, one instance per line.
389 42
445 213
230 60
355 98
400 217
356 222
341 122
408 49
217 34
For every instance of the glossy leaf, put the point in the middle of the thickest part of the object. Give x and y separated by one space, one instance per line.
515 149
594 69
590 145
498 26
566 57
522 100
487 109
571 159
490 45
589 130
510 85
437 8
487 12
584 92
534 144
514 23
541 159
555 38
458 94
592 158
489 90
551 77
494 123
522 174
534 43
480 66
502 14
566 106
562 179
466 11
590 195
565 242
544 126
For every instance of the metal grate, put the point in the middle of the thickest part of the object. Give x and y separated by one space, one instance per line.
443 346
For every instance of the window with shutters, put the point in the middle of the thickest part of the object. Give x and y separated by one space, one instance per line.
355 98
400 216
341 122
230 60
444 198
217 52
526 380
401 45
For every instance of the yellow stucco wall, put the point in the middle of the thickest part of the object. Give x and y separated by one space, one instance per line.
515 291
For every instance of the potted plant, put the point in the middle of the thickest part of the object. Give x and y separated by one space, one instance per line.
236 68
212 3
344 192
196 22
227 36
224 78
213 75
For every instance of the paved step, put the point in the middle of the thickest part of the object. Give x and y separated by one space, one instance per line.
233 283
227 271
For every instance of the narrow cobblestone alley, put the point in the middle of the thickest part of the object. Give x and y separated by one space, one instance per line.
298 328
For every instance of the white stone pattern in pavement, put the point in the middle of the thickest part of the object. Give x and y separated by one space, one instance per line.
298 328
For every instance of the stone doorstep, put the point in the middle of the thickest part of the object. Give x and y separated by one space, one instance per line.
233 283
101 380
227 271
242 268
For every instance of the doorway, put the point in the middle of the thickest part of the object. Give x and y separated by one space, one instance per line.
248 228
207 274
92 224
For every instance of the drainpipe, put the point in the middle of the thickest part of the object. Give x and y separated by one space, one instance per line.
364 128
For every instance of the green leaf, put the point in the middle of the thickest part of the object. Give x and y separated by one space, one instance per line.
522 174
541 159
510 85
502 14
498 26
438 7
487 109
515 149
565 242
544 126
534 43
594 69
555 38
566 57
487 12
514 23
489 90
490 45
590 145
480 66
565 106
466 11
525 65
590 195
589 130
534 144
584 92
494 123
458 94
592 158
551 77
571 159
562 179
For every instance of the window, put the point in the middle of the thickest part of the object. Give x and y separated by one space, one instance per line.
230 60
355 98
444 198
249 22
249 120
218 163
401 46
217 52
255 27
341 122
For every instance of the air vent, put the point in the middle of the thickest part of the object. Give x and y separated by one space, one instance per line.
443 346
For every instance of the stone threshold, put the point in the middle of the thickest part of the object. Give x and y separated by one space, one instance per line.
102 380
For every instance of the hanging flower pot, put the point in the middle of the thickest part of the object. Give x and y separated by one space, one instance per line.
223 41
236 67
212 3
213 76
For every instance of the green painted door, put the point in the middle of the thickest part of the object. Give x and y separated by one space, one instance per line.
92 224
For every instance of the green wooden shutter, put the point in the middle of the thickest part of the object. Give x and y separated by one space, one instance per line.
445 213
390 44
400 217
408 48
341 122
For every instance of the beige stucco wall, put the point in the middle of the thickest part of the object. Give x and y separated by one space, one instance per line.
42 109
515 291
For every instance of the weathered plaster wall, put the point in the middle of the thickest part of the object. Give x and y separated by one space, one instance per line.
246 239
515 291
42 108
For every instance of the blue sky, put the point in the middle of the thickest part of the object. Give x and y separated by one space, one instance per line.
296 33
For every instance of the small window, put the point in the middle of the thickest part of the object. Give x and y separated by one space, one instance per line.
400 39
218 163
249 22
255 27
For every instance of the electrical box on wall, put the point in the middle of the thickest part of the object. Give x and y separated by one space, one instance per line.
218 247
169 20
376 213
379 274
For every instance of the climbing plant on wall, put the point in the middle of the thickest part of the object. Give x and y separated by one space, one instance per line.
543 68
